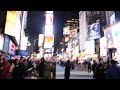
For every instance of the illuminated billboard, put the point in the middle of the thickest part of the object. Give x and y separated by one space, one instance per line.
94 31
13 24
24 41
48 41
109 38
49 19
41 39
48 30
116 35
1 42
50 12
90 47
10 24
103 47
11 48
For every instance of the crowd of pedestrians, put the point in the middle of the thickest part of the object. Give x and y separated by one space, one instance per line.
104 70
101 70
20 68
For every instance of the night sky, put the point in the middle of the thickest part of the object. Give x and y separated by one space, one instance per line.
36 22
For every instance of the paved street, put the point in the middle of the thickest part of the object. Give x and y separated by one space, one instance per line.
74 74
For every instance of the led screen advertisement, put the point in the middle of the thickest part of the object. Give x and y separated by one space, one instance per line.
48 41
49 19
1 41
90 47
48 30
11 48
109 38
41 39
6 44
116 35
10 24
23 53
23 45
94 31
103 47
13 24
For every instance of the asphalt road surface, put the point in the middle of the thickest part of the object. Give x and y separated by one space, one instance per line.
74 74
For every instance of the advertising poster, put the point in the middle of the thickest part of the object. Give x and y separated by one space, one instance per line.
48 30
11 48
18 26
48 41
90 47
41 39
103 48
11 20
116 35
6 44
1 42
49 19
109 37
94 31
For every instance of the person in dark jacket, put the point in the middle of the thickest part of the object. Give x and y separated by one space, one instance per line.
93 68
89 67
41 68
99 72
15 70
67 69
30 65
113 72
19 70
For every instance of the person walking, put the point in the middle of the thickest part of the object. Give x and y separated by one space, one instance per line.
41 68
89 67
99 72
93 68
67 69
113 71
13 71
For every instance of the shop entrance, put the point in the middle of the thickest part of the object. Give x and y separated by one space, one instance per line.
112 52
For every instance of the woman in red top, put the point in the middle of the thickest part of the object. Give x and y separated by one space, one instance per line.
6 68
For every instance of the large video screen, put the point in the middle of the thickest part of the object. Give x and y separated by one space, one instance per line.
94 31
10 24
90 47
6 44
23 53
13 24
1 42
11 48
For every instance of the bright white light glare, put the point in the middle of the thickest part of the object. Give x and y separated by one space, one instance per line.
48 30
23 43
41 38
49 19
51 12
1 41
